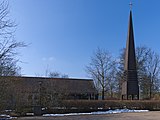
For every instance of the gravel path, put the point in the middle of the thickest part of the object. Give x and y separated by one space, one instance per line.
121 116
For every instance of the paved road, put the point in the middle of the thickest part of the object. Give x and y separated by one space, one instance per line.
121 116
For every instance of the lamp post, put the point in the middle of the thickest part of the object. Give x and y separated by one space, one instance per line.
139 92
40 86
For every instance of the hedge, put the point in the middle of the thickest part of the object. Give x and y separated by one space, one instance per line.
110 104
75 106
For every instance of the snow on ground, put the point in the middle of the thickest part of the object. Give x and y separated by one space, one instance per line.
98 113
6 117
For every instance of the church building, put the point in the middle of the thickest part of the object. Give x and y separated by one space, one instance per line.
42 91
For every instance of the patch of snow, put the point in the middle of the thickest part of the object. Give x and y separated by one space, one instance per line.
8 110
6 117
52 115
74 108
59 107
30 114
98 113
13 118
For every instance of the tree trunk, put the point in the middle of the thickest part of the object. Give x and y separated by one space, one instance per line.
103 94
150 92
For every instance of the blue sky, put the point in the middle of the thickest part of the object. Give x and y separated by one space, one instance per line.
63 34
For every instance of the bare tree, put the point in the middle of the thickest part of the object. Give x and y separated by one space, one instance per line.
120 70
112 80
55 74
100 69
153 71
148 65
8 53
8 44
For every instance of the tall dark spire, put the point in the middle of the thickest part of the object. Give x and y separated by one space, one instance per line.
130 61
130 89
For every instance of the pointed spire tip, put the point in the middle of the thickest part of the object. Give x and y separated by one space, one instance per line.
130 4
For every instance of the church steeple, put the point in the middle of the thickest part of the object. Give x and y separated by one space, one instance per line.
130 61
130 89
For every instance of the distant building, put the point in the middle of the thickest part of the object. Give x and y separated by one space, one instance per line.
33 91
